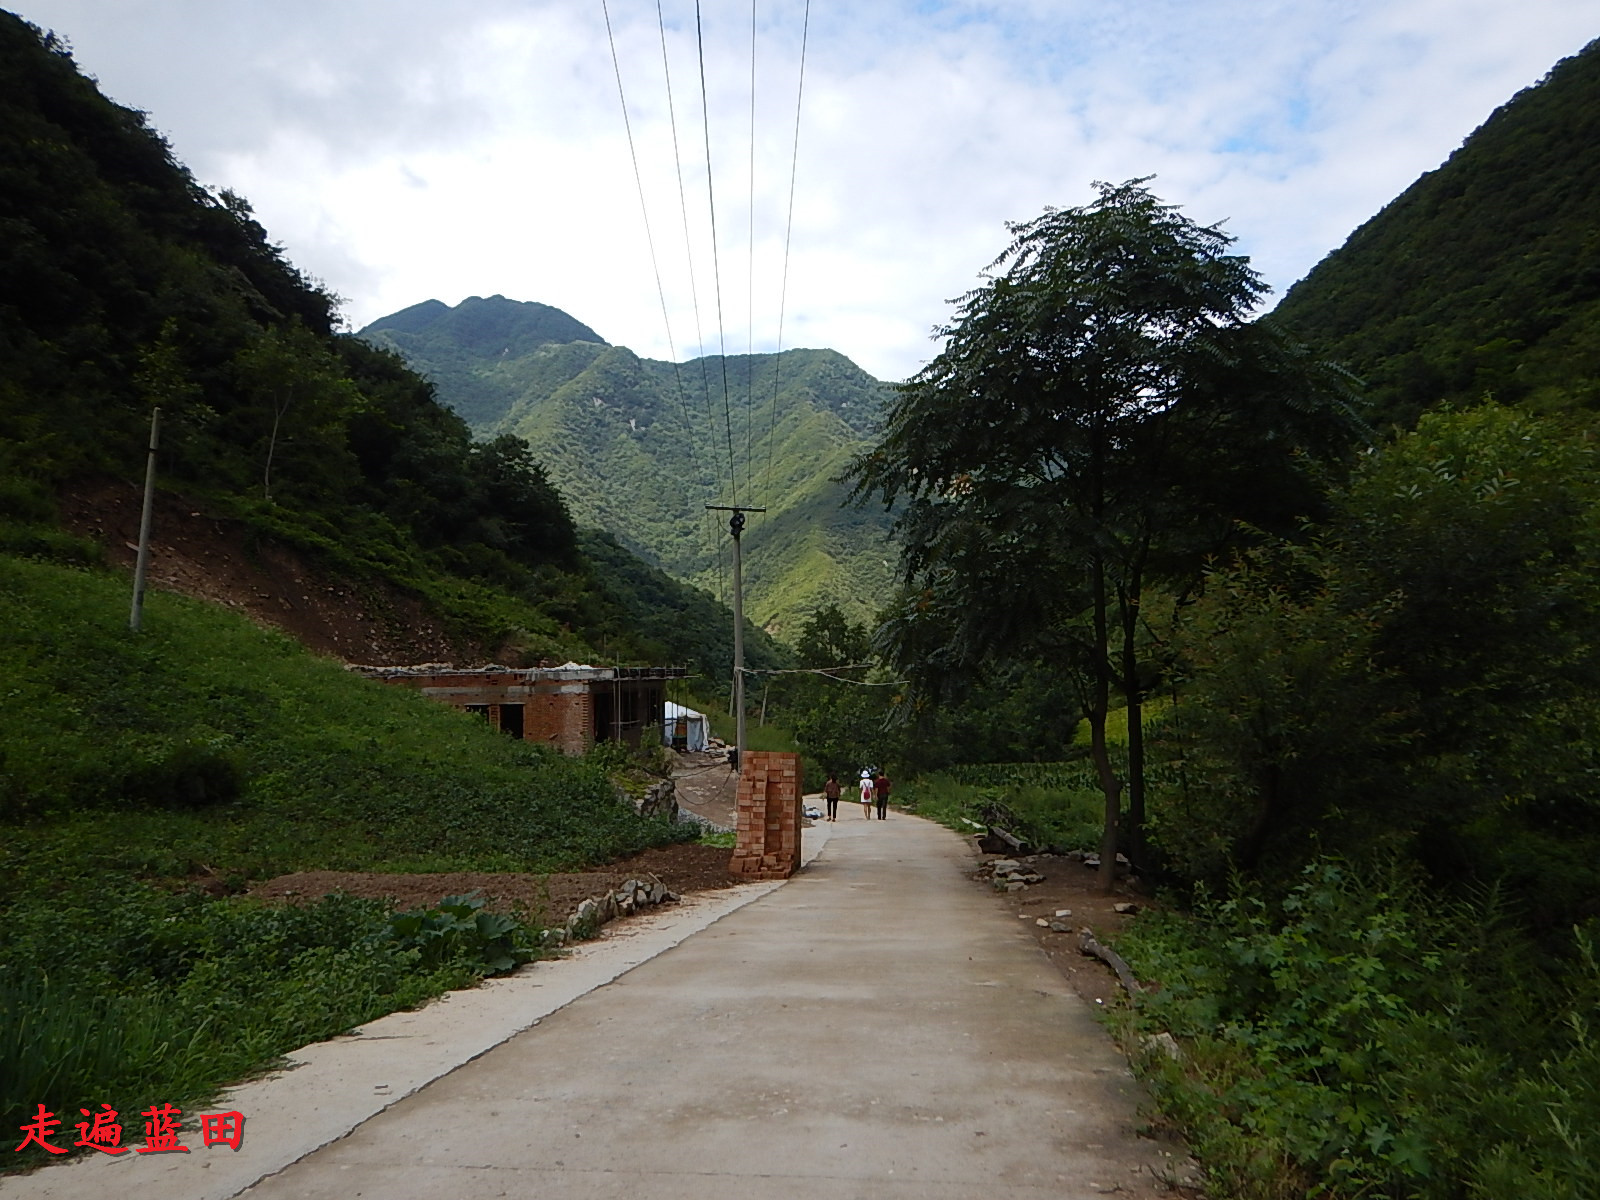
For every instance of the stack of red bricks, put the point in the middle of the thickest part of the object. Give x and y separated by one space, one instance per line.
767 820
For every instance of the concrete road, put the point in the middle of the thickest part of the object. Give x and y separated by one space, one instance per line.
874 1028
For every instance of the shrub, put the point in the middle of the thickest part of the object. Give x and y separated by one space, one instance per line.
1358 1038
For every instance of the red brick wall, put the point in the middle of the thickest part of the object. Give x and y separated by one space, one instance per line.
767 821
559 719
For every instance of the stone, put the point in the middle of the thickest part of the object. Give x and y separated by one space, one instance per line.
1162 1044
1126 910
1042 923
1060 927
1063 912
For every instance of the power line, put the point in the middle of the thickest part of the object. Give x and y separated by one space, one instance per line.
827 673
644 212
788 233
707 524
750 275
716 264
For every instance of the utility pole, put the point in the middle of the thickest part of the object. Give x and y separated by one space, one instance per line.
136 615
736 527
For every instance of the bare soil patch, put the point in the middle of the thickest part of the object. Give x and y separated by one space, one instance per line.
706 785
550 899
1068 884
216 559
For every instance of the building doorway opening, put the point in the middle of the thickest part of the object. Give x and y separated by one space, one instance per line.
511 720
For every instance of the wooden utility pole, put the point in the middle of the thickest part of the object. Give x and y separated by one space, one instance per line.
142 561
736 527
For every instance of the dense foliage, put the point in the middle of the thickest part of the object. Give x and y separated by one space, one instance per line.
1425 675
1484 275
1360 1036
638 447
1416 689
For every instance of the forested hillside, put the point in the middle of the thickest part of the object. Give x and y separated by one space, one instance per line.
638 447
126 285
1483 277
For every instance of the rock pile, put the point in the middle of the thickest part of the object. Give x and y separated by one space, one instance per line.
1010 875
597 911
660 799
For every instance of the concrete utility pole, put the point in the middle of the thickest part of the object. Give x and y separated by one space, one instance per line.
143 560
736 527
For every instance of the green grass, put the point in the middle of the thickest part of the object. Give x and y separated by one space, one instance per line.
130 764
1049 804
768 737
1117 723
205 741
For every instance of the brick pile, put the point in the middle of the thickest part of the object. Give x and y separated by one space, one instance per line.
767 820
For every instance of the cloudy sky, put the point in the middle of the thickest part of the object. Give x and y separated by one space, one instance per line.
408 149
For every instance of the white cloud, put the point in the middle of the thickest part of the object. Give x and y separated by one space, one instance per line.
407 149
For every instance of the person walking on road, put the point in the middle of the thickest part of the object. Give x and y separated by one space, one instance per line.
866 793
830 792
880 790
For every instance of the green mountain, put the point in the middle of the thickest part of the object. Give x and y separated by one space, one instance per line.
1483 277
458 340
126 285
639 447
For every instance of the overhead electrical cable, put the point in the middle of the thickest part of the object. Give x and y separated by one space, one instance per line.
707 520
644 212
828 673
788 233
638 179
750 279
716 263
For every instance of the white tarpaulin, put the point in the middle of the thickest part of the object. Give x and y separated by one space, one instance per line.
685 729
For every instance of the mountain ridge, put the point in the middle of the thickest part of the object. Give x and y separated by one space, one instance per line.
1482 277
639 446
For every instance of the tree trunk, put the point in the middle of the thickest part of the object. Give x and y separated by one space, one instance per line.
272 444
1099 702
1128 602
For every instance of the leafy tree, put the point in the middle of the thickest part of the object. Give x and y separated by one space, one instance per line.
1102 411
840 722
1424 675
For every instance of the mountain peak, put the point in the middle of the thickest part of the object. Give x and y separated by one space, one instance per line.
490 325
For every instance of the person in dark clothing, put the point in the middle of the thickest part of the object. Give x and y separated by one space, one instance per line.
880 792
830 792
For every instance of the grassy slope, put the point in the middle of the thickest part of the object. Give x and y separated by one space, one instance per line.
118 750
207 748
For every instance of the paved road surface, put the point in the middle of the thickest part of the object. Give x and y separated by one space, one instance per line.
876 1027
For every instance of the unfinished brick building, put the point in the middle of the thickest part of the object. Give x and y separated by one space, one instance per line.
569 707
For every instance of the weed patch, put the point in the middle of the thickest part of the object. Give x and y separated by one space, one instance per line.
1358 1038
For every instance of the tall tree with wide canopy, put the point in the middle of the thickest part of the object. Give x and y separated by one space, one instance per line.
1103 412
